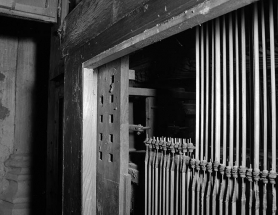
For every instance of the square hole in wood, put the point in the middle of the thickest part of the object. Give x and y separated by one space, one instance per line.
110 157
111 138
101 100
111 118
100 155
111 98
112 79
100 136
101 118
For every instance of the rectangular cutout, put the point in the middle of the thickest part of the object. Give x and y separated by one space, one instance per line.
111 98
100 136
100 155
110 157
101 118
111 118
112 79
101 100
111 138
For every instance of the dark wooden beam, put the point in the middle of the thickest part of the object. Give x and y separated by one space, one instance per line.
148 23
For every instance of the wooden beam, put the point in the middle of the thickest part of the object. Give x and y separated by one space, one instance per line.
92 18
139 30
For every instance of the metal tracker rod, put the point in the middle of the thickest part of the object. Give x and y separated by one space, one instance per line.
222 190
177 190
212 88
209 169
224 60
242 169
256 109
160 206
167 183
202 93
157 160
153 176
172 179
193 188
164 177
197 91
264 172
199 181
146 175
183 182
150 179
207 90
203 185
272 175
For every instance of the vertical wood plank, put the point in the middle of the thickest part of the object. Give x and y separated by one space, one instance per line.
89 145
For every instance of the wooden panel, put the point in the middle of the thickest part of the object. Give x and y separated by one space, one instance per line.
89 146
112 129
140 29
44 10
72 138
8 59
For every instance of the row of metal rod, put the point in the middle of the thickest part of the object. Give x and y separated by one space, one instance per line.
234 157
236 102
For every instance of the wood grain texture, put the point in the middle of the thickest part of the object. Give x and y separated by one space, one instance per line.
94 17
112 129
89 146
141 28
72 200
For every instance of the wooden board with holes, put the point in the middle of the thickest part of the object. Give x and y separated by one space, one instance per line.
112 136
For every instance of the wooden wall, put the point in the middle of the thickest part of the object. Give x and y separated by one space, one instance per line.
24 60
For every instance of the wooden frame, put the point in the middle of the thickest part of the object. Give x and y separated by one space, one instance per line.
87 54
89 145
46 14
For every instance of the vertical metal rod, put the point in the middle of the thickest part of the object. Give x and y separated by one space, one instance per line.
177 159
256 89
146 177
199 181
189 179
156 183
164 178
197 92
218 90
265 172
231 75
194 181
272 174
161 169
237 87
183 197
264 85
224 90
273 87
212 90
172 186
150 180
167 183
207 88
153 176
209 168
202 92
243 73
